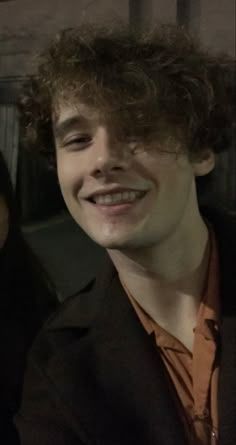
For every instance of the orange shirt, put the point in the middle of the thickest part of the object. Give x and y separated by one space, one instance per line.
194 375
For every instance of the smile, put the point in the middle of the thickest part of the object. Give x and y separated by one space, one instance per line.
118 198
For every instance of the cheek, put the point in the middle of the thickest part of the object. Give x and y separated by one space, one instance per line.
174 181
69 175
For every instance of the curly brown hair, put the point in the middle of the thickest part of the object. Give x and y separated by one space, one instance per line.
138 78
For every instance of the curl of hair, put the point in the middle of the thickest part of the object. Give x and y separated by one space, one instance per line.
139 78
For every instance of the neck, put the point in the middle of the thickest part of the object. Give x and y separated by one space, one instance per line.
168 280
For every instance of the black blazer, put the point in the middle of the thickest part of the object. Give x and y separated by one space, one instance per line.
95 376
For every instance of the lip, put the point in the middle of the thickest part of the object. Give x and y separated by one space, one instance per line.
110 190
117 209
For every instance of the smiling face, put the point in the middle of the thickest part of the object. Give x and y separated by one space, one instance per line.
123 193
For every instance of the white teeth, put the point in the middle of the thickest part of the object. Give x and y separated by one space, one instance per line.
118 197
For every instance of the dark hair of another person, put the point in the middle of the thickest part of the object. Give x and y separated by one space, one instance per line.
134 79
25 286
27 298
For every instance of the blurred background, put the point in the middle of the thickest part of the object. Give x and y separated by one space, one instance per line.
25 27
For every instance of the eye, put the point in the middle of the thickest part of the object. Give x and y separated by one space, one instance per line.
78 142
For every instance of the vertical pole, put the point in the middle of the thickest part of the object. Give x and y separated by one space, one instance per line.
183 12
140 13
189 14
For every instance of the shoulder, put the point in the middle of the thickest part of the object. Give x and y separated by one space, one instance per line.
224 225
72 316
74 320
77 310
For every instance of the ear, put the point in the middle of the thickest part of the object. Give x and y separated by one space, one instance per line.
204 163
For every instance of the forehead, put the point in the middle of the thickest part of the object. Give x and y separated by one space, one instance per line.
72 114
63 111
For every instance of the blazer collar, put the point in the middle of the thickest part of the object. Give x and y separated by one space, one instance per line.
128 369
132 372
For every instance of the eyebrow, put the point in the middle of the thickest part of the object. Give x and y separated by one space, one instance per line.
62 128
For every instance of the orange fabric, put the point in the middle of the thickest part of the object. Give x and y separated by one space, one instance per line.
194 375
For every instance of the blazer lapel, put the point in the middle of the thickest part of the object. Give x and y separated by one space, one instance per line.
132 374
109 372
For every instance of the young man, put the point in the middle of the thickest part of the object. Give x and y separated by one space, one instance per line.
147 353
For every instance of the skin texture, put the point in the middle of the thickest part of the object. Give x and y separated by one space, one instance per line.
159 244
4 221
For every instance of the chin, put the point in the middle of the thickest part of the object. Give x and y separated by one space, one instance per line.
111 241
111 244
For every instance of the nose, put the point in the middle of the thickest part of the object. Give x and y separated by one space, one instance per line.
109 155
